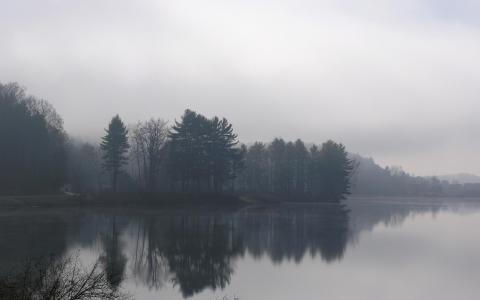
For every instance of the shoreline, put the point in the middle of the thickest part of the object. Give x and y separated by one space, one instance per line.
189 200
119 201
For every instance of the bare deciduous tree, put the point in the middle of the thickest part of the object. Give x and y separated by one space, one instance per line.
62 279
148 139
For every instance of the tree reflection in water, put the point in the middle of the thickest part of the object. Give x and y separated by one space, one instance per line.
112 258
196 251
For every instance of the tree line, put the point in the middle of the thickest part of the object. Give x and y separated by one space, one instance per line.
295 171
195 155
202 155
33 151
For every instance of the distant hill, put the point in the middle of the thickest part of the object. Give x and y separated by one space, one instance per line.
461 178
371 179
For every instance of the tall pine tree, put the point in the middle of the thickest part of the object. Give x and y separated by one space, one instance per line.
203 152
336 170
115 147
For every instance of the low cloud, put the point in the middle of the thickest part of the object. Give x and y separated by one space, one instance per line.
396 80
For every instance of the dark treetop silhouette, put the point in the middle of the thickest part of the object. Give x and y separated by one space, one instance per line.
202 153
32 144
115 147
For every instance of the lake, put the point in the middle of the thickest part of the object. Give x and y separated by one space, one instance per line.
381 248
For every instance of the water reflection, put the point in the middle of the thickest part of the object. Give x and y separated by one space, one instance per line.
112 257
196 250
289 232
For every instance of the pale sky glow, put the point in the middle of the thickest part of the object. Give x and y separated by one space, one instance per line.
395 80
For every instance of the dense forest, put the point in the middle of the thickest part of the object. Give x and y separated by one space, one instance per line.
194 155
33 147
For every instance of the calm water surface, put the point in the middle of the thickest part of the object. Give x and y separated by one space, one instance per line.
363 249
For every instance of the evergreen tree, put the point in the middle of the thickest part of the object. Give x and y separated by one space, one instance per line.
315 172
301 163
256 175
222 152
290 168
278 166
336 170
188 149
203 152
115 147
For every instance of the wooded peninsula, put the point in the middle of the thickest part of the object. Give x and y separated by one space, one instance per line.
194 156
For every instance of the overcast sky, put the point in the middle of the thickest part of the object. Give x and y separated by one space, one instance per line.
397 80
